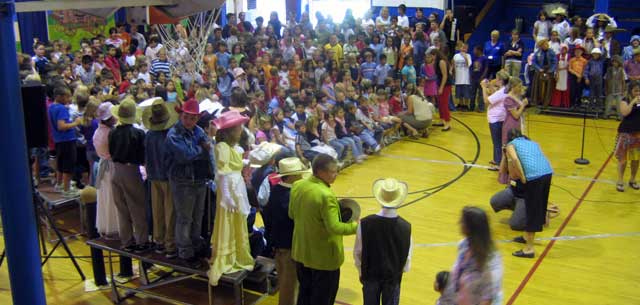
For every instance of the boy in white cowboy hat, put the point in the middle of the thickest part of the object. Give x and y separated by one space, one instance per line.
158 118
279 227
594 74
126 146
382 250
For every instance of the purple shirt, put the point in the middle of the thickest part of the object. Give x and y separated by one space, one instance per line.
632 68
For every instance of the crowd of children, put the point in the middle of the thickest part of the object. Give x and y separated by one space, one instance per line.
344 90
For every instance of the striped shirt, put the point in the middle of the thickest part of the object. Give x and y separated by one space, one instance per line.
160 66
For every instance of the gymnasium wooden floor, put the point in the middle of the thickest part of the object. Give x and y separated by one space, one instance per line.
588 255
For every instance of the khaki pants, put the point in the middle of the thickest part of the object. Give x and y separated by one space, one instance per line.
287 278
128 195
164 220
513 67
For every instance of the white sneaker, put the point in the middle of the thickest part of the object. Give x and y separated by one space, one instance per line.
378 148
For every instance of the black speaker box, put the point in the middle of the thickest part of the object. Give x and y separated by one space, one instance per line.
35 115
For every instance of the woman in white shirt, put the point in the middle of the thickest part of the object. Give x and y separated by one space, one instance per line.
384 17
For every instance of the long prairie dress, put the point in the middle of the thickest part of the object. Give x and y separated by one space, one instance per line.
230 239
106 214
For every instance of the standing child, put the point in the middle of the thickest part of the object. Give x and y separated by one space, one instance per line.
383 70
462 62
442 279
382 251
614 86
408 71
158 119
428 71
561 96
106 214
478 73
593 75
64 136
577 63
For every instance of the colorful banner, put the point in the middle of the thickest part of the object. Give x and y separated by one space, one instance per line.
16 31
73 26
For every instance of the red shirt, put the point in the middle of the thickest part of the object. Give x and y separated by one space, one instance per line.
395 105
113 65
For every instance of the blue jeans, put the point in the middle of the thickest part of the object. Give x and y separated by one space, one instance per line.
374 291
188 203
496 138
354 143
339 147
367 138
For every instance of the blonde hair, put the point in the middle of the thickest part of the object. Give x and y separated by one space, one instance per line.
495 33
202 94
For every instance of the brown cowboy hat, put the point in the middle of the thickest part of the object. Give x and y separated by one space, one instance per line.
160 116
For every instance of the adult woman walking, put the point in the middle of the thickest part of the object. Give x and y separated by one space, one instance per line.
443 72
476 276
419 114
524 161
628 143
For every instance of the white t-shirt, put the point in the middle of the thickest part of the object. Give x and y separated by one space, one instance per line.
403 21
151 53
368 22
544 27
463 76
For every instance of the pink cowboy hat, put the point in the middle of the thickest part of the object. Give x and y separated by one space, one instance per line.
230 119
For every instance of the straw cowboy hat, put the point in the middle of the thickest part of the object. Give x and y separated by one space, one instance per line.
612 29
230 119
262 154
603 17
596 51
160 116
389 192
292 166
125 112
559 11
349 210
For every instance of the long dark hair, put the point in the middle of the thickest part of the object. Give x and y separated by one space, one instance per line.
515 133
476 224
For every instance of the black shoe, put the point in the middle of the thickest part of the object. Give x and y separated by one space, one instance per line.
193 263
144 248
519 239
129 248
171 254
159 249
521 253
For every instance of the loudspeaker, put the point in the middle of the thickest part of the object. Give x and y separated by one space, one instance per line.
34 107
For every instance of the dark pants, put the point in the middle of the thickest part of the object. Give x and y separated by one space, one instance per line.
475 89
188 204
496 138
317 287
492 71
575 90
506 200
375 291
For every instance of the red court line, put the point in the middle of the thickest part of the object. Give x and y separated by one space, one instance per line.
538 262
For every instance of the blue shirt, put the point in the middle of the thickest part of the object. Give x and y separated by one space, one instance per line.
223 59
410 73
368 70
154 144
533 161
494 53
58 112
382 72
184 157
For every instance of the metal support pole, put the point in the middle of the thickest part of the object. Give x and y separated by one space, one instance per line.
16 199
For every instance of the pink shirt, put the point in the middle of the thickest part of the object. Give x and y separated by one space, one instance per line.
101 141
496 111
383 108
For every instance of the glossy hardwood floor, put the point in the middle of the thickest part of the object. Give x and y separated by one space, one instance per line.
592 260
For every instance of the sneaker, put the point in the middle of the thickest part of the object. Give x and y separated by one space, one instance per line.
58 188
378 148
193 263
140 249
171 254
70 194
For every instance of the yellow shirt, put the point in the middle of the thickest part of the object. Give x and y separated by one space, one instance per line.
337 52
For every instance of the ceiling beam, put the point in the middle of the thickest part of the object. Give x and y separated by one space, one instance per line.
58 5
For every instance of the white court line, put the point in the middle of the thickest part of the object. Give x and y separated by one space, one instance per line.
573 177
559 238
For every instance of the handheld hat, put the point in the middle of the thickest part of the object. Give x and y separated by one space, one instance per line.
389 192
191 107
603 17
104 111
292 166
237 72
349 210
559 11
596 51
230 119
126 111
160 116
262 154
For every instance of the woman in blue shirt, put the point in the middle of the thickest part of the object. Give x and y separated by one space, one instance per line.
526 162
494 50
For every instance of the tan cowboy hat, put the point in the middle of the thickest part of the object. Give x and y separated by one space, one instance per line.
292 166
613 29
125 112
603 17
559 11
349 210
159 116
389 192
262 154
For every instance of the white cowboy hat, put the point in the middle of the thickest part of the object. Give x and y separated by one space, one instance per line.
596 51
292 166
390 192
349 210
262 154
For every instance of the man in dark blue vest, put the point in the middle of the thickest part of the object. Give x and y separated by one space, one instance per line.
383 245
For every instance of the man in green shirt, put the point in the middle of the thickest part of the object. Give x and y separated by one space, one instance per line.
317 234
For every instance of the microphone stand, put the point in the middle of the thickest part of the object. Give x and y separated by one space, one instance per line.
582 160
